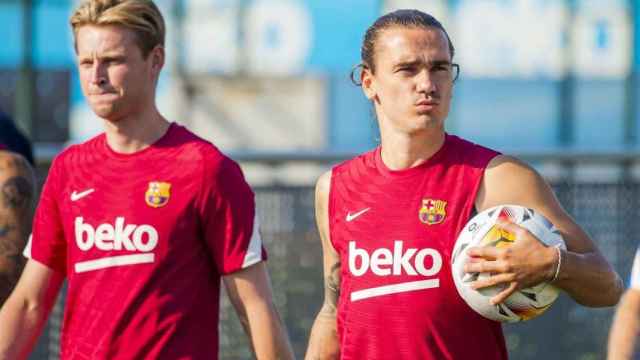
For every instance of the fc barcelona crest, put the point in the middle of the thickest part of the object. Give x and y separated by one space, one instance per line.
158 194
432 211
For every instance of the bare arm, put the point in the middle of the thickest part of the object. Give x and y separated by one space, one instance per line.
250 293
584 273
625 330
23 315
323 342
17 188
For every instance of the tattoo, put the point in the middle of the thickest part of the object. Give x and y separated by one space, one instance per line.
8 247
332 283
11 266
16 196
5 229
16 192
6 286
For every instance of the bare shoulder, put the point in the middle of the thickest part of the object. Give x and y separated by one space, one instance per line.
323 186
508 180
17 188
11 162
17 180
511 168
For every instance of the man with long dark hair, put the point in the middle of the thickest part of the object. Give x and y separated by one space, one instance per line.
389 218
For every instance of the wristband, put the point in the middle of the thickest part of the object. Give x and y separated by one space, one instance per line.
555 276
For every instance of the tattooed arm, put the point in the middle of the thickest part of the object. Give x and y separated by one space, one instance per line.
23 315
323 342
17 188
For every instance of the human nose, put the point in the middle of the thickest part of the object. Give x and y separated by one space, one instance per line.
98 74
426 82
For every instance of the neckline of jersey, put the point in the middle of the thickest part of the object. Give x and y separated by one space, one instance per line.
111 153
384 170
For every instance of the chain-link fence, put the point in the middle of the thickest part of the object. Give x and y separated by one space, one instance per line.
607 210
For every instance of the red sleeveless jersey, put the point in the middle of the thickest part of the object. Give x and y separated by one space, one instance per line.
395 232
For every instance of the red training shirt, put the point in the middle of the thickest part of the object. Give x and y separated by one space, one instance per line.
143 239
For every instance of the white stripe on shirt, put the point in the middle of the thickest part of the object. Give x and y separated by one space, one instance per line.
254 250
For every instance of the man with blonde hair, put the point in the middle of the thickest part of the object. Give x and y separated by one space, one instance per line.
142 220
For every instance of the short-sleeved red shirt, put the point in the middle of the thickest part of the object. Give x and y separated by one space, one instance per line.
143 240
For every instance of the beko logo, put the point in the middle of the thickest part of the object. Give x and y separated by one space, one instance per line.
141 239
399 261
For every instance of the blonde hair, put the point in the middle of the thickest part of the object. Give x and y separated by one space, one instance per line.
141 16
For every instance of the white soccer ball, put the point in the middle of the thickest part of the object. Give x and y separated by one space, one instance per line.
524 304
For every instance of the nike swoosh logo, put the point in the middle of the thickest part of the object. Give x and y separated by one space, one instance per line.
75 196
351 217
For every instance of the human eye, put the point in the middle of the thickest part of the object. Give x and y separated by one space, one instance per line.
114 60
441 68
406 69
85 62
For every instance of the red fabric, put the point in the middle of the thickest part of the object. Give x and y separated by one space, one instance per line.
163 304
397 297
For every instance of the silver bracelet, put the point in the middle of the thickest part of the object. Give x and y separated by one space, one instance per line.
555 276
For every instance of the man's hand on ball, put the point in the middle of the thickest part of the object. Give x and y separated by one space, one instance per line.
526 263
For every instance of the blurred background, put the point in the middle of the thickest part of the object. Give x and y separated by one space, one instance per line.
552 81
